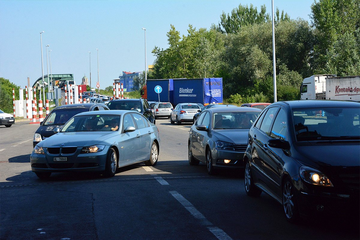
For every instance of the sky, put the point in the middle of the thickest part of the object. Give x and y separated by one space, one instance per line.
104 37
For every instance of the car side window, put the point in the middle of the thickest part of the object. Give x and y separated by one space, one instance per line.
206 120
280 128
139 120
200 119
268 119
128 121
259 119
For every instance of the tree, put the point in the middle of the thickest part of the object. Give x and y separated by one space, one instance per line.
6 94
332 19
139 82
344 58
244 16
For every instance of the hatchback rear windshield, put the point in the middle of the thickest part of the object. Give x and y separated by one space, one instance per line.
124 105
165 105
190 107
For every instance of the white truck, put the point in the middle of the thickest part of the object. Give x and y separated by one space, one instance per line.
331 87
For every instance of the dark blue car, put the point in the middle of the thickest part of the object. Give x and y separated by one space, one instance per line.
306 155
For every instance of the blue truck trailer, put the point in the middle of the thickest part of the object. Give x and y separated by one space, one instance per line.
203 90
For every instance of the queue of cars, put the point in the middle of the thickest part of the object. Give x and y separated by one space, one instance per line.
304 154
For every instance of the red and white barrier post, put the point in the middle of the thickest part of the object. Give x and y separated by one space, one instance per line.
47 107
14 102
41 118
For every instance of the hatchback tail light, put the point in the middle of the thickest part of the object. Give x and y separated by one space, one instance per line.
182 111
157 110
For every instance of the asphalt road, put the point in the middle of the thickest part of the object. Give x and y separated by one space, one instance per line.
171 200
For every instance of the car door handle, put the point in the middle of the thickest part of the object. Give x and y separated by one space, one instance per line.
265 147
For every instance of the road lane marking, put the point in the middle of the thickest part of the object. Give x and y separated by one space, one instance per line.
15 145
148 169
218 233
188 206
161 181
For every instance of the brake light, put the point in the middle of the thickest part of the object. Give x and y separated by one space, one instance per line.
182 111
157 110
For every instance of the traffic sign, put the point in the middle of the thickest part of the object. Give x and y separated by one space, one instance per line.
98 85
158 89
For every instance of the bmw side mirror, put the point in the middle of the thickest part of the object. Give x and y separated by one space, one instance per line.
129 129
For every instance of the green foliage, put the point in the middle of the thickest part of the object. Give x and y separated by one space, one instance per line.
6 95
258 97
235 98
139 82
344 58
332 19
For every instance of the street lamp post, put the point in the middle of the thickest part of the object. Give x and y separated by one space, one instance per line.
274 56
90 68
52 85
145 54
42 64
98 77
47 66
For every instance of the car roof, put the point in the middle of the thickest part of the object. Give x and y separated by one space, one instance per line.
255 104
78 105
105 112
129 99
317 103
234 109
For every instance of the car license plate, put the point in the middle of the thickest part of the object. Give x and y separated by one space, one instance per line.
60 159
11 120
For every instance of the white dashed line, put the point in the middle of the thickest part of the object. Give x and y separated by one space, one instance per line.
188 206
161 181
15 145
218 233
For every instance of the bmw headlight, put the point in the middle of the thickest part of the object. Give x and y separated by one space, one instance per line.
93 149
37 137
314 177
225 145
38 150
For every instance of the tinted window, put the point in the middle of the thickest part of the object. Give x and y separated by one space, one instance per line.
190 106
280 128
259 120
165 105
61 116
326 123
140 121
206 119
268 119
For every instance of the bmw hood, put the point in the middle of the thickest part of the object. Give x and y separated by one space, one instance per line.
236 136
76 139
